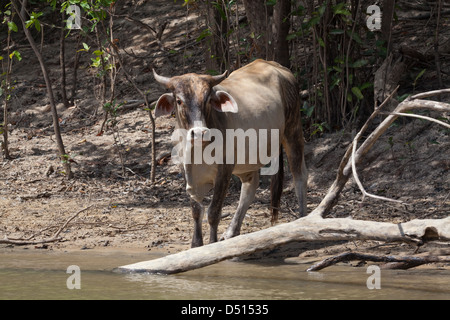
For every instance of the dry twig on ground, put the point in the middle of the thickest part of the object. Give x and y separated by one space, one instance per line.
54 238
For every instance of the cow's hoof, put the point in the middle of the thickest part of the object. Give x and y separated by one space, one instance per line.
196 244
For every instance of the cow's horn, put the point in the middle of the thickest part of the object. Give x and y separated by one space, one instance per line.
163 80
215 80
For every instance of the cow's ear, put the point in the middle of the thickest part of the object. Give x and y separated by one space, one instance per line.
224 102
164 105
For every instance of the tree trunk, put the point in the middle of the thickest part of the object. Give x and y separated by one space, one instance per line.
62 62
75 72
258 15
6 94
217 53
4 146
386 22
281 28
62 153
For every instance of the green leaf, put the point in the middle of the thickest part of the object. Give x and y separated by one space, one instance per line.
308 109
321 42
337 31
366 85
16 54
418 76
339 9
354 36
338 69
98 52
322 8
12 26
359 63
312 22
85 5
291 36
299 11
334 83
434 141
357 93
34 20
96 62
343 11
86 47
339 60
37 25
294 35
205 33
402 97
29 23
349 97
220 10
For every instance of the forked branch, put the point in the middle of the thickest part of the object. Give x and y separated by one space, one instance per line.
345 168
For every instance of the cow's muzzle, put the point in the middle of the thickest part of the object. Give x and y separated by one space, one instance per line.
198 136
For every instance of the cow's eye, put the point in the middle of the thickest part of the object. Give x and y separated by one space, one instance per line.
179 102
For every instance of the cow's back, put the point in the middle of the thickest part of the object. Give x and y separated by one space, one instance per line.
261 90
260 73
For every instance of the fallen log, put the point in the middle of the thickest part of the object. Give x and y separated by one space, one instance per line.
309 228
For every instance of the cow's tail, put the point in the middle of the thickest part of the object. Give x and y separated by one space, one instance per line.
276 188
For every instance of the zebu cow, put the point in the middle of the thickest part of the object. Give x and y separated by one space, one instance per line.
261 95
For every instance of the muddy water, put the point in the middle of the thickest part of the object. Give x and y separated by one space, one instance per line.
31 274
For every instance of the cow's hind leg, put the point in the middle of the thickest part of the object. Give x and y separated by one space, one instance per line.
276 189
293 145
250 182
197 214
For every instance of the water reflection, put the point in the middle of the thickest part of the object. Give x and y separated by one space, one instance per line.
43 276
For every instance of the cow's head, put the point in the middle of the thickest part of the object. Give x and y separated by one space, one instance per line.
194 98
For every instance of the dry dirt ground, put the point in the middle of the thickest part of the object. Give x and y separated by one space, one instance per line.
410 162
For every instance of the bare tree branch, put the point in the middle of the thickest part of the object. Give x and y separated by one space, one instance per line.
412 115
430 93
406 262
354 145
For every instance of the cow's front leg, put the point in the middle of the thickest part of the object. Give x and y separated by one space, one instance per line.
250 183
215 208
197 214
